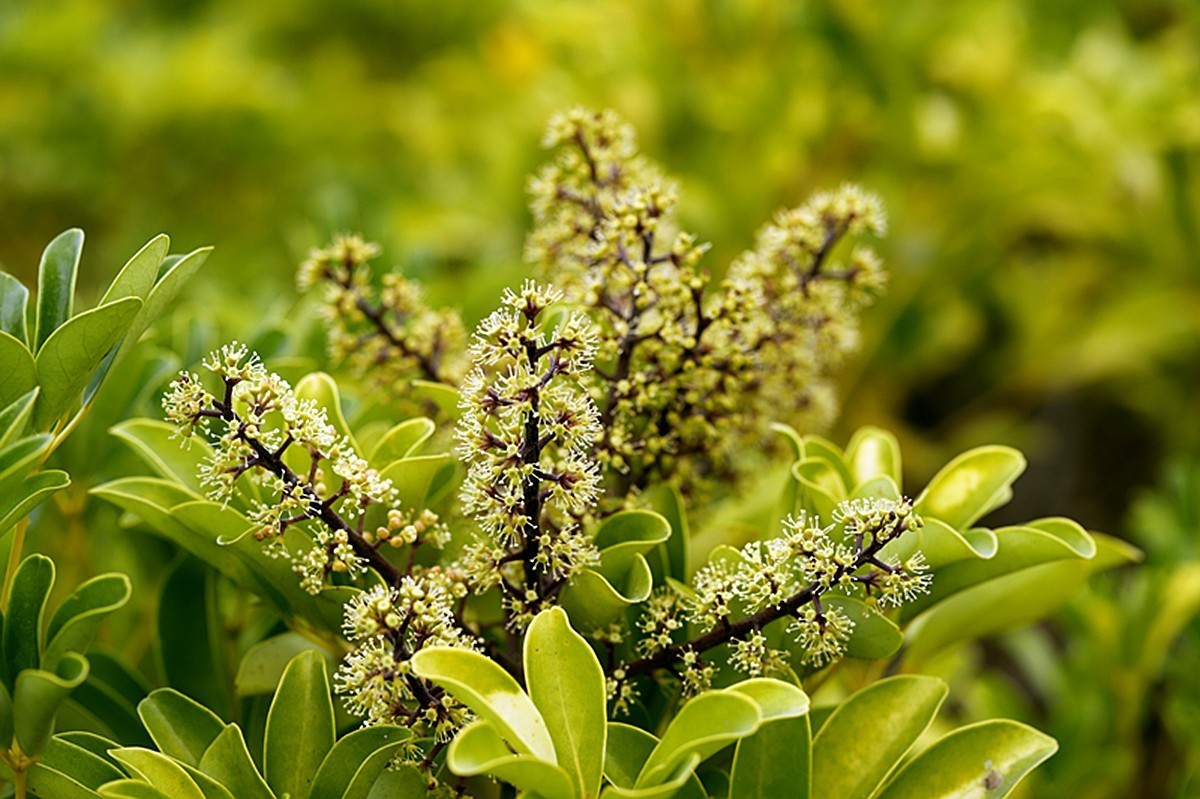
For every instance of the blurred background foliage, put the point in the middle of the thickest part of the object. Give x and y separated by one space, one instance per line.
1041 165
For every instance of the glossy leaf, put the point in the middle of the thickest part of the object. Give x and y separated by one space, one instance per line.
300 728
875 636
566 685
165 290
190 640
971 485
14 419
157 444
19 501
228 762
402 440
703 726
20 458
132 789
14 298
323 389
72 353
110 695
774 763
56 284
37 697
480 749
137 277
983 761
181 727
19 375
75 622
160 771
85 767
491 693
23 636
355 762
873 453
262 666
870 732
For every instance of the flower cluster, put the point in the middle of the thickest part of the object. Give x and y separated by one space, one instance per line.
737 596
688 374
387 333
388 625
525 433
313 491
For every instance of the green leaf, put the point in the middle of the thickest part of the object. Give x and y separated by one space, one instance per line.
17 503
875 636
300 729
37 698
137 277
262 666
48 782
14 297
987 759
56 284
873 453
14 419
6 717
703 726
595 597
19 375
402 440
972 484
417 477
160 771
355 762
74 624
228 762
670 559
157 444
942 545
163 294
82 765
323 389
23 638
1000 604
132 789
820 486
1018 548
869 732
19 459
111 695
774 763
775 699
191 635
181 728
479 749
566 684
72 353
489 691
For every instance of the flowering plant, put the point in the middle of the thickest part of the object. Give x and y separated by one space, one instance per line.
588 550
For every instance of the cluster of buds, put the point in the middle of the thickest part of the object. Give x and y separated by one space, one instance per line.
678 359
313 491
525 434
387 625
783 578
386 333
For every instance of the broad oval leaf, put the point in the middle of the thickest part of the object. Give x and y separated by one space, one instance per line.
137 277
402 440
566 685
18 502
869 732
160 771
14 419
775 762
56 284
165 290
132 789
479 749
489 691
703 726
262 666
88 768
972 484
354 763
72 353
872 453
14 297
19 375
23 636
979 761
228 762
300 727
74 623
37 698
180 727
